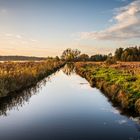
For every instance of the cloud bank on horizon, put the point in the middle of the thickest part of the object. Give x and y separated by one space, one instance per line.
126 25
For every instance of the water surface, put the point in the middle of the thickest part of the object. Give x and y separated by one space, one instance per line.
64 107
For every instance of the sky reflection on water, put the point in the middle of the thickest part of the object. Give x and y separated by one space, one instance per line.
64 107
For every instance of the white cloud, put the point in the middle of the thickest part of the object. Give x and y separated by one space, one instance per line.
127 25
18 39
110 110
123 121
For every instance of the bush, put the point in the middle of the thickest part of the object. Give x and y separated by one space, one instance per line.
110 61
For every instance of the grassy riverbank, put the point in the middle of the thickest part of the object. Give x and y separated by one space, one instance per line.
16 76
120 82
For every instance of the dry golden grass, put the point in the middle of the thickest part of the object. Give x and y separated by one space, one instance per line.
19 75
130 67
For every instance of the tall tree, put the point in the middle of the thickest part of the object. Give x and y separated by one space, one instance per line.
118 53
70 54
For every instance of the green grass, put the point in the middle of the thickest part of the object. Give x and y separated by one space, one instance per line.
121 85
129 83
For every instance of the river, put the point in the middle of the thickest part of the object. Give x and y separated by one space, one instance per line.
64 107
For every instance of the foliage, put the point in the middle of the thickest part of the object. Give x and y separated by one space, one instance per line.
70 54
128 54
83 57
110 61
98 57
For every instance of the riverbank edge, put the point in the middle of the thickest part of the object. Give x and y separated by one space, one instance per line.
41 77
114 92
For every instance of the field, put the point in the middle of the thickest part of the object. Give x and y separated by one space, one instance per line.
121 81
16 76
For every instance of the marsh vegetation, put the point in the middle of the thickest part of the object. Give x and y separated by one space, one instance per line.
16 76
121 82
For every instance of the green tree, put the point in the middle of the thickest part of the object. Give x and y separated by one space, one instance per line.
70 54
98 57
118 53
124 55
57 58
83 57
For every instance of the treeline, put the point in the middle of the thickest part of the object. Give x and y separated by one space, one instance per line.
96 57
121 54
128 54
75 55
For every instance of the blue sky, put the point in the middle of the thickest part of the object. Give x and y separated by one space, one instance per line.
47 27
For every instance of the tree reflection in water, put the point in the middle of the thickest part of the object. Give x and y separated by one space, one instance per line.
18 99
69 69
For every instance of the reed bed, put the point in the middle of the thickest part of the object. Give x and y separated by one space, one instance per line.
16 76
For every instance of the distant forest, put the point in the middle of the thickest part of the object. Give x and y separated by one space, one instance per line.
121 54
128 54
21 58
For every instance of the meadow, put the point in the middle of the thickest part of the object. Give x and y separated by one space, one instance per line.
15 76
120 81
